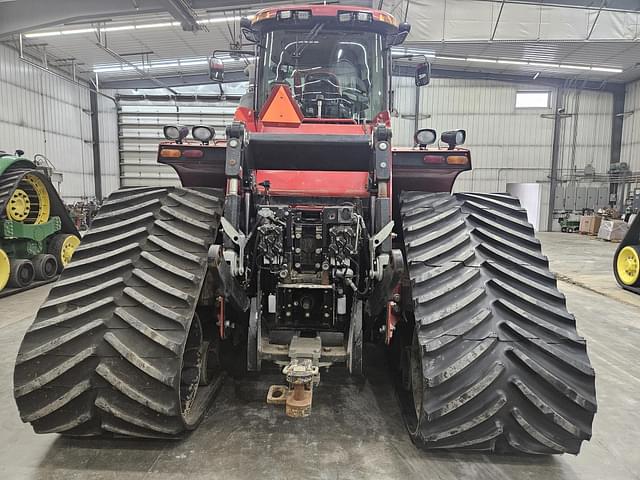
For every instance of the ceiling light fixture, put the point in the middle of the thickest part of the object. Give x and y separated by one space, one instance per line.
120 28
513 62
575 67
607 69
481 60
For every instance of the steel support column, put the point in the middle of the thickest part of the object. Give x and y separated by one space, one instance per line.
555 153
416 109
95 138
616 142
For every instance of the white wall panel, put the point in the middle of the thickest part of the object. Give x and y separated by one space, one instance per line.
509 145
109 154
631 128
44 114
140 124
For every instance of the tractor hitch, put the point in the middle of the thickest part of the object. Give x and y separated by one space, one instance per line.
302 374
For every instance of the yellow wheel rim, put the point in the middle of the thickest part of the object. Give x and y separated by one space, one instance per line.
628 266
19 206
41 193
5 269
68 247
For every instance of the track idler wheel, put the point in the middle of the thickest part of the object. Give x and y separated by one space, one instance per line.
30 202
5 269
62 247
45 266
22 273
628 265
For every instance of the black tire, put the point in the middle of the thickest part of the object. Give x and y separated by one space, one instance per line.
563 229
570 230
495 361
56 244
22 273
45 266
115 348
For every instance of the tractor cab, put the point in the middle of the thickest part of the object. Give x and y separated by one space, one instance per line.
333 61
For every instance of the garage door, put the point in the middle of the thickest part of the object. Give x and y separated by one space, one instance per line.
140 121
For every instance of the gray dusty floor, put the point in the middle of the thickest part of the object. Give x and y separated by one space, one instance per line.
355 431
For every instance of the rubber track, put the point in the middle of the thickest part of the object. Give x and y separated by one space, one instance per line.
10 180
104 352
504 368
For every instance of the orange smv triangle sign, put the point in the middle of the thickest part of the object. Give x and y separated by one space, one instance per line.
280 109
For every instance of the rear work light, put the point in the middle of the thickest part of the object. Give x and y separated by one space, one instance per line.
301 15
170 153
344 17
193 153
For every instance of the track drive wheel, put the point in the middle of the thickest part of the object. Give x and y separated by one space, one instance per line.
22 273
45 266
494 361
5 269
116 347
62 246
628 265
30 202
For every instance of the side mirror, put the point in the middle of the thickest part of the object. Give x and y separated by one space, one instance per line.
423 74
216 69
247 31
403 32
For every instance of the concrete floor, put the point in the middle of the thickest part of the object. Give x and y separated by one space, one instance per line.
356 430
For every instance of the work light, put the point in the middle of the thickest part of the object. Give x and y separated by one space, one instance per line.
453 138
425 136
202 133
176 133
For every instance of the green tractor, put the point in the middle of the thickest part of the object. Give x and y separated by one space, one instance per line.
37 237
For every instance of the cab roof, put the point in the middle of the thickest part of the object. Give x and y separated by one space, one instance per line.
287 17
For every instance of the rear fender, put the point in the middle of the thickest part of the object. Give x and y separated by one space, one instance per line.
204 169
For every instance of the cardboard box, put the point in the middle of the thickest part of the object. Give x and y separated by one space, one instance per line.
590 224
613 230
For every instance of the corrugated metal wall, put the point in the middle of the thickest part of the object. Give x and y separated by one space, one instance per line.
41 113
109 154
508 145
631 127
140 125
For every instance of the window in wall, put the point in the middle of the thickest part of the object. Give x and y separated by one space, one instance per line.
532 99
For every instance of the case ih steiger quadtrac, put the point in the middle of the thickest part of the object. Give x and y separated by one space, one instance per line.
293 241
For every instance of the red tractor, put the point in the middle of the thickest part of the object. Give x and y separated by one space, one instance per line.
299 237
